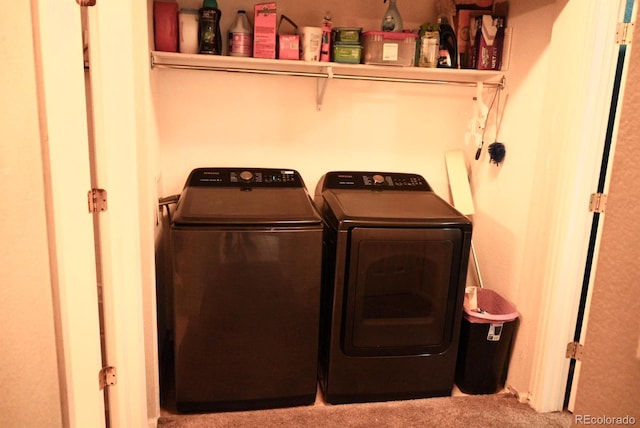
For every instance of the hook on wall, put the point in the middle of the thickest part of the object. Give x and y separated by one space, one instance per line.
85 3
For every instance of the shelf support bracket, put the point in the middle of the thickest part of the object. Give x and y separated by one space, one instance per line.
322 88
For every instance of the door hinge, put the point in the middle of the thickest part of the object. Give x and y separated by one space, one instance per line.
598 202
107 377
97 199
575 351
624 33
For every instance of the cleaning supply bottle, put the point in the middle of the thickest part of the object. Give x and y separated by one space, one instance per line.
448 56
241 36
325 47
209 40
392 21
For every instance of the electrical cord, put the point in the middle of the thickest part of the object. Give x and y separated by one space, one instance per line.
497 150
486 120
166 201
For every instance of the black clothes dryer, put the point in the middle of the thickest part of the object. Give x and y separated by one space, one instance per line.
247 250
394 272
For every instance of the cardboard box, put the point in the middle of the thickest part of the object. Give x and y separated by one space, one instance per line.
264 30
288 46
489 41
465 25
288 42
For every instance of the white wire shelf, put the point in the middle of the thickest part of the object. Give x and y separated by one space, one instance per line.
328 70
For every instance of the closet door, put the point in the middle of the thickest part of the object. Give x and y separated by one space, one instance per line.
64 139
119 75
99 284
609 381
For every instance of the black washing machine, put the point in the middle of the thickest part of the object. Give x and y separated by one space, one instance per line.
247 251
394 272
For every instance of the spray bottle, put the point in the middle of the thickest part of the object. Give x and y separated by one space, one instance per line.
392 21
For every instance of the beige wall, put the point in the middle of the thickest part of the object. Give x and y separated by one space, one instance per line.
609 383
28 367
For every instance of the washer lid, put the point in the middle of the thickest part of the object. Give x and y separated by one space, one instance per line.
384 196
243 196
391 206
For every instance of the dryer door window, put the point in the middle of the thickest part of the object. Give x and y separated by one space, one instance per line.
402 286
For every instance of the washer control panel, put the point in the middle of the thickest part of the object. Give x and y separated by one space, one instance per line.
362 180
244 177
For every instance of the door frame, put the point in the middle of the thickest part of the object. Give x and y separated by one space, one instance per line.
574 172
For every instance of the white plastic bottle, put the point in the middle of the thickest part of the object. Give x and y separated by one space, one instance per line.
241 36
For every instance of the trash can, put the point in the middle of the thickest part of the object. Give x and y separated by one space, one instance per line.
486 336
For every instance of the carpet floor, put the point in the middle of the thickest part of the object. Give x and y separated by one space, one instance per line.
485 411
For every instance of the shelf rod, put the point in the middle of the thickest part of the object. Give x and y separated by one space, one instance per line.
409 80
330 75
244 70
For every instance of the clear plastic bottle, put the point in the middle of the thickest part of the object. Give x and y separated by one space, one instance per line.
241 36
392 21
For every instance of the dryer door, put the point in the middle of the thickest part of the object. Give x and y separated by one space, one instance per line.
402 286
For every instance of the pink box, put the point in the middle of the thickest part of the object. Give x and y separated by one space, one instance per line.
288 46
288 43
264 30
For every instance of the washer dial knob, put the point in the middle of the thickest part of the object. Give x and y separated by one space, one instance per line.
378 179
246 175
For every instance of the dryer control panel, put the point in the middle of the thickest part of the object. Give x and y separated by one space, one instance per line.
363 180
244 177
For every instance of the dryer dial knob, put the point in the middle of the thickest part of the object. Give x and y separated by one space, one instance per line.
378 179
246 175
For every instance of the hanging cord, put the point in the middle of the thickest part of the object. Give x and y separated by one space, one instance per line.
486 119
478 152
497 151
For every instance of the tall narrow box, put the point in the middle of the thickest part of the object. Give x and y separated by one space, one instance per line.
489 40
264 31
